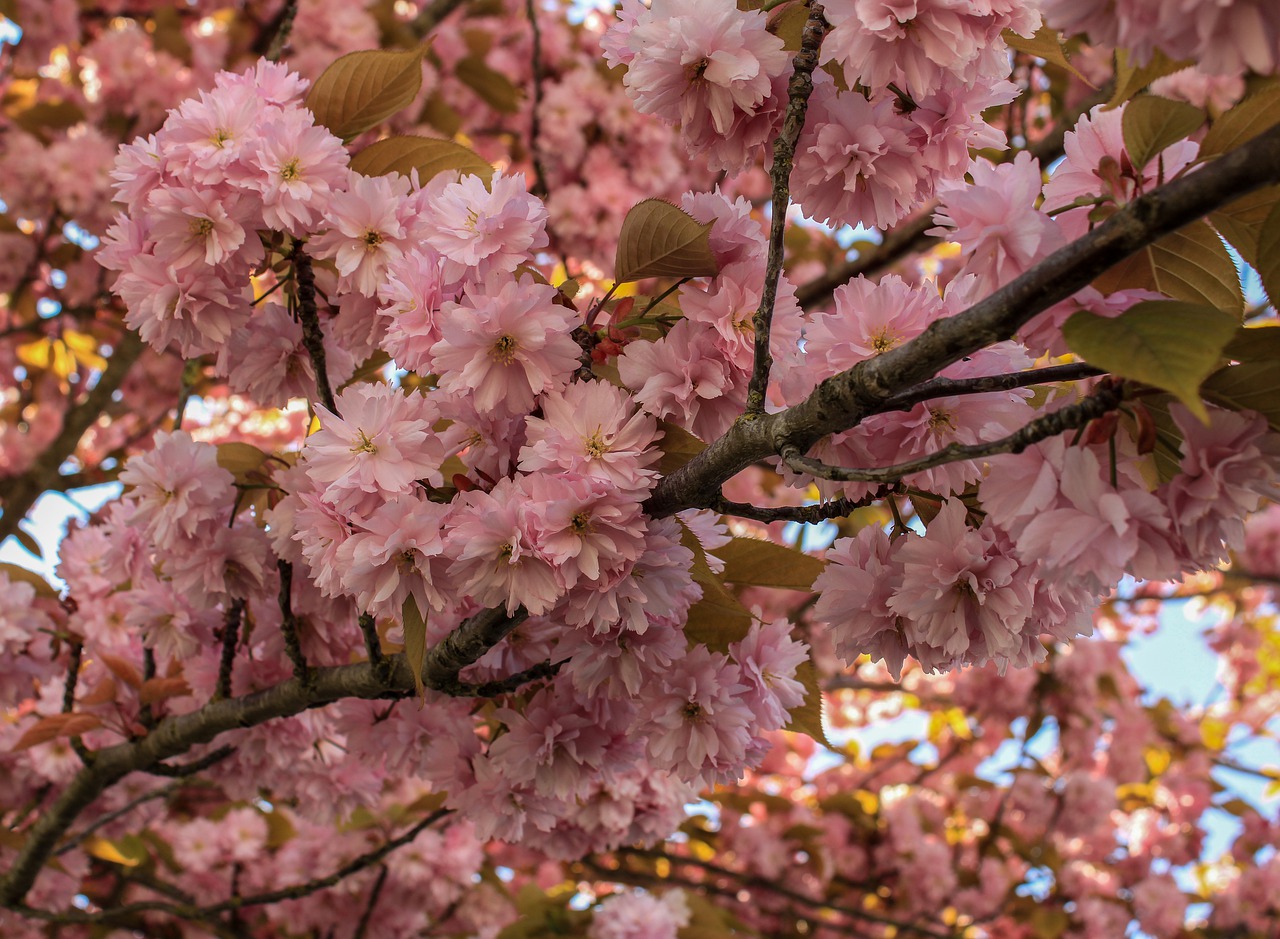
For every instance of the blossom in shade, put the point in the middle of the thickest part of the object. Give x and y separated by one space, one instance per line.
964 595
587 528
855 161
505 344
698 718
769 658
177 487
497 561
552 744
640 916
677 376
394 553
1227 467
861 576
410 299
996 220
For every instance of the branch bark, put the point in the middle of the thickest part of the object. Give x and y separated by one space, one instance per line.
842 401
20 494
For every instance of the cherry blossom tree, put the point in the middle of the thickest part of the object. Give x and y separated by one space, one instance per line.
547 439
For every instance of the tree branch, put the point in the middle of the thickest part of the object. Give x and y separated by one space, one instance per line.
1107 398
805 514
465 645
948 387
842 401
784 151
312 335
21 492
210 913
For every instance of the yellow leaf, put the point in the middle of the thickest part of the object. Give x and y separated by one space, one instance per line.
240 459
678 447
1131 79
806 718
127 852
768 564
1045 44
660 240
1242 123
362 89
415 643
428 155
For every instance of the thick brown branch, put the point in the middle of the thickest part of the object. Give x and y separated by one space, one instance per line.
465 645
784 151
842 401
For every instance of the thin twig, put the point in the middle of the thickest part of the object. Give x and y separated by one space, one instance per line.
784 150
949 387
1072 416
312 335
74 840
804 514
283 25
230 639
195 766
539 187
372 643
363 926
500 686
289 622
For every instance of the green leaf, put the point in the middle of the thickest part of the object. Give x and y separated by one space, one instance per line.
717 620
362 89
415 643
806 718
1269 255
1189 264
1131 79
1045 44
1250 386
761 563
1169 345
1243 122
428 155
494 88
678 447
1240 222
1151 123
660 240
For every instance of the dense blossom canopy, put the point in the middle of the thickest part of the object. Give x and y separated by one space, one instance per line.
546 440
